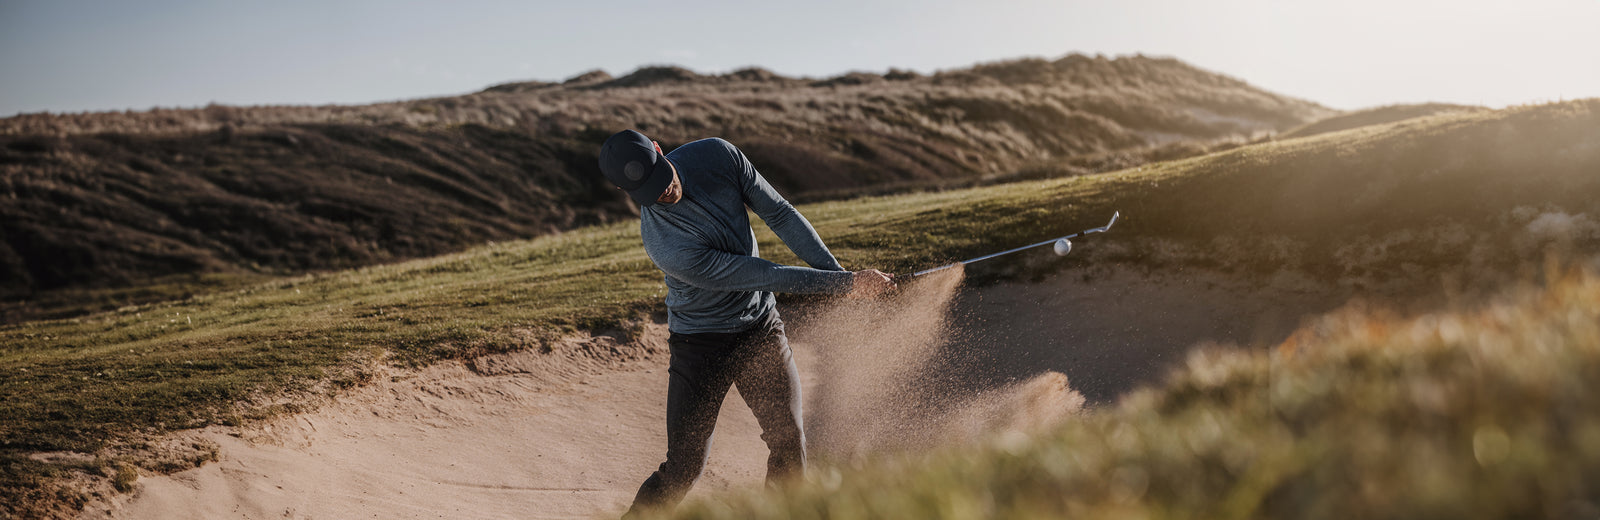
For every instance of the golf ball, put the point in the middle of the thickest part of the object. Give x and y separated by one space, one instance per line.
1063 247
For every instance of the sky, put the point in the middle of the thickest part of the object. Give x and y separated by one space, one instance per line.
81 55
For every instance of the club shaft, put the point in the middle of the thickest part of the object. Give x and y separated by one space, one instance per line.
1026 247
986 257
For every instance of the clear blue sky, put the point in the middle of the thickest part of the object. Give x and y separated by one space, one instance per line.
74 55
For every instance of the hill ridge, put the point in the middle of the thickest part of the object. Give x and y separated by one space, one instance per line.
1072 68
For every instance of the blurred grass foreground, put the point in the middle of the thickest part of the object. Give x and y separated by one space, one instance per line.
1479 413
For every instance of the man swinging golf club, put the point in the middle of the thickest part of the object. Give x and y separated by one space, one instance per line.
721 314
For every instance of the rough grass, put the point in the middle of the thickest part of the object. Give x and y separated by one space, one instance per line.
1390 208
1485 413
110 210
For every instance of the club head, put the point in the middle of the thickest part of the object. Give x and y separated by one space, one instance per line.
1106 227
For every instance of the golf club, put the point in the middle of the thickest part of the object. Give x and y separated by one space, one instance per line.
1062 246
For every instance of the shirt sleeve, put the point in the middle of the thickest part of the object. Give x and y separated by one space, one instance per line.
790 226
716 270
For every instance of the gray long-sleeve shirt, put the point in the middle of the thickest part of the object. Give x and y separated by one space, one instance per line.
716 280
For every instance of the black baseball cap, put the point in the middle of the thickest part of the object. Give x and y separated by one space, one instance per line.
630 161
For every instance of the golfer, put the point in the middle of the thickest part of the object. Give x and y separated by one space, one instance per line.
721 314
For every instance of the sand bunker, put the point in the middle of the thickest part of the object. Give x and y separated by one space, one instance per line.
571 433
450 442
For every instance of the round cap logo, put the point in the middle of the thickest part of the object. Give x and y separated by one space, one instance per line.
634 171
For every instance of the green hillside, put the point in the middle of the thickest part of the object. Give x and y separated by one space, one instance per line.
1394 210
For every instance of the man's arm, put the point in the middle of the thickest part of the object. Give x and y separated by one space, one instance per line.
716 270
790 226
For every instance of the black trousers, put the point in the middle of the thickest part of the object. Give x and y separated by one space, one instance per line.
704 366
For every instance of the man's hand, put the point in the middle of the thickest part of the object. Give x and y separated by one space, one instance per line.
870 283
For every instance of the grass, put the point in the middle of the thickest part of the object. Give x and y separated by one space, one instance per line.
67 303
1381 206
1474 413
92 212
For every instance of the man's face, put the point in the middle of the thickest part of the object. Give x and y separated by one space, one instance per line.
674 191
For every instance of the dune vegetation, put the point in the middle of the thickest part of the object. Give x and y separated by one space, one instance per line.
1455 202
1374 116
110 200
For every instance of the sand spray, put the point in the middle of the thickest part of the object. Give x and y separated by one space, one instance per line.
874 390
